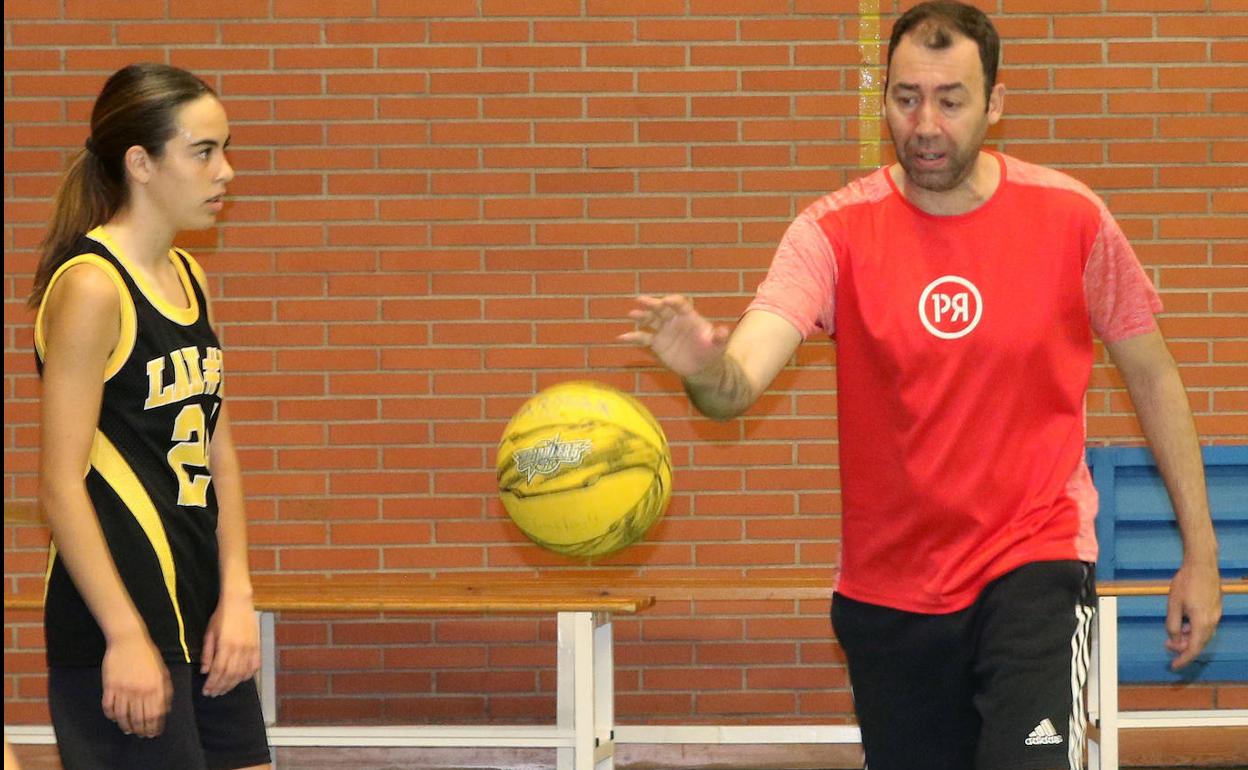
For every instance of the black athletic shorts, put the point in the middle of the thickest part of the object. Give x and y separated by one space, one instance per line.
201 733
997 686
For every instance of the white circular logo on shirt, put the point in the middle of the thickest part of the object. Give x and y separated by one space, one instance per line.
950 307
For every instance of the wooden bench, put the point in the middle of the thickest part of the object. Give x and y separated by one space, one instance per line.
582 734
323 591
1106 719
585 732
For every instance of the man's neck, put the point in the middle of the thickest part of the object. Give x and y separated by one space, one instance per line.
971 193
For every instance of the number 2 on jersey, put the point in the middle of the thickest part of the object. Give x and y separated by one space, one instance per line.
190 430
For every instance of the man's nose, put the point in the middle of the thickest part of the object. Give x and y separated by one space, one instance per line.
926 118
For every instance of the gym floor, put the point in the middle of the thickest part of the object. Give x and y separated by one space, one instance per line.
44 758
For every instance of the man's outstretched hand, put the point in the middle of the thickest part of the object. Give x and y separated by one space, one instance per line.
678 336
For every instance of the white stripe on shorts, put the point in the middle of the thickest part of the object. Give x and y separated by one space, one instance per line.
1080 656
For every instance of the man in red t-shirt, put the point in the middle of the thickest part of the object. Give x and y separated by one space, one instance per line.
963 288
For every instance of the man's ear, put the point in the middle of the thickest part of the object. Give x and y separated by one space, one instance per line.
996 103
139 164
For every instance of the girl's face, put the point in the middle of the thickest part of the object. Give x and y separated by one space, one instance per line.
188 181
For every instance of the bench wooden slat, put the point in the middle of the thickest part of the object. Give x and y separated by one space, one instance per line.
1158 587
414 592
662 588
561 584
450 605
320 594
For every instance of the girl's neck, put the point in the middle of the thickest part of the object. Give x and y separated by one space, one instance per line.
142 243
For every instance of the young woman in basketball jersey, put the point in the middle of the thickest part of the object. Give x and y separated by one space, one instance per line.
151 633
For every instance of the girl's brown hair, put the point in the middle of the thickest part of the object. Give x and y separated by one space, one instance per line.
137 106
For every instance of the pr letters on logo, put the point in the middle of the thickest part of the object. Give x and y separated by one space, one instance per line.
950 307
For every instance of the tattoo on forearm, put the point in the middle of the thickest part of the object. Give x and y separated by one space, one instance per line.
722 391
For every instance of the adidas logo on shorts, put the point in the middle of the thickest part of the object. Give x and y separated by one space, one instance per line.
1043 735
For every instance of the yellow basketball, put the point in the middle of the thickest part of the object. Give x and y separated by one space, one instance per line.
583 469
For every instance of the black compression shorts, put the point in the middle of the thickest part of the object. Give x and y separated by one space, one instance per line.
201 733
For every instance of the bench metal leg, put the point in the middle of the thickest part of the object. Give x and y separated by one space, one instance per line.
266 677
583 735
604 693
586 690
1103 686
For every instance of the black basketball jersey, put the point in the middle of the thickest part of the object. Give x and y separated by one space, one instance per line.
148 476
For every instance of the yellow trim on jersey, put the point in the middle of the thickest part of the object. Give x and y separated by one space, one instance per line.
201 278
179 315
121 477
125 342
47 576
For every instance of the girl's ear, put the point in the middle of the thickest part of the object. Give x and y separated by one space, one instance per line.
139 165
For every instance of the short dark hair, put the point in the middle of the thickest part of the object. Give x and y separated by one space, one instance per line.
933 22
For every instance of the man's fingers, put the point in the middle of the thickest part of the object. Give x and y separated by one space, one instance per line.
1190 643
1183 658
1174 617
636 338
667 306
646 319
1199 632
656 312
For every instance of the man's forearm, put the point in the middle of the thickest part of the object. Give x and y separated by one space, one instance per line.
1166 418
721 391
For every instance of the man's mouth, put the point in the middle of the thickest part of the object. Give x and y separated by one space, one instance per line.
929 160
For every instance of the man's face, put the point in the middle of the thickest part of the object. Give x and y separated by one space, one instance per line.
936 112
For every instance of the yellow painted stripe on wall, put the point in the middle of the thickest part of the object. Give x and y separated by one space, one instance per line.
870 81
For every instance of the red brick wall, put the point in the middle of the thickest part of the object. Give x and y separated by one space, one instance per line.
440 211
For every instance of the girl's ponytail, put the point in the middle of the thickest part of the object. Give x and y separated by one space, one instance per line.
138 106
